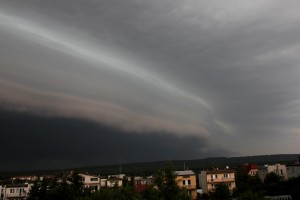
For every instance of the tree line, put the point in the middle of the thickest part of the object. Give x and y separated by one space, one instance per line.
165 188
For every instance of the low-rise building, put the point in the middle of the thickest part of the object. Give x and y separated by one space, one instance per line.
278 169
16 191
103 182
208 180
187 179
142 183
114 182
138 180
25 178
251 169
91 181
293 171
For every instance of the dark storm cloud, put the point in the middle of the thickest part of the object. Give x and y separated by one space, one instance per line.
224 72
34 142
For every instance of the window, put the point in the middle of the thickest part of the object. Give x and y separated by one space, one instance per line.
226 175
94 179
213 176
186 182
12 191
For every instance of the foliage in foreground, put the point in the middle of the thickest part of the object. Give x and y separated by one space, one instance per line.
165 188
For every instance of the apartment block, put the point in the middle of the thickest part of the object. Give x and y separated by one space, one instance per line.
208 180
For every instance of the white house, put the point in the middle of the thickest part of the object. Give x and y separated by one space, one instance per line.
103 182
25 178
16 191
278 169
91 181
115 180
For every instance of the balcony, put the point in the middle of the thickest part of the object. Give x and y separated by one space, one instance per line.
190 187
220 180
14 195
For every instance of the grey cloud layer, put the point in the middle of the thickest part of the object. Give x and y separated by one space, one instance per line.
223 71
69 142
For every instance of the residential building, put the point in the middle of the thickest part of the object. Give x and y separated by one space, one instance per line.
251 169
141 183
187 179
16 191
103 182
91 181
1 192
150 180
278 169
138 180
25 178
293 171
209 179
114 182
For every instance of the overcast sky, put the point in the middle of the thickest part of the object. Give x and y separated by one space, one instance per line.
179 79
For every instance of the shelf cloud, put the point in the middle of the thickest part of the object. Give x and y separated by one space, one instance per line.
225 73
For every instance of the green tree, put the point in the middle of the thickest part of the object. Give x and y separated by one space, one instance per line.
43 191
222 192
272 178
152 194
273 184
165 180
77 184
34 191
61 192
242 181
247 184
292 187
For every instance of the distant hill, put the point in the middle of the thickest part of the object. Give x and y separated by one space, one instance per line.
148 168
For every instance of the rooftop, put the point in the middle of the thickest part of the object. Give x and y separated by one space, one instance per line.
220 171
185 172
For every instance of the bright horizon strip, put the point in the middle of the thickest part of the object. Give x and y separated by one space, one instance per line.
54 41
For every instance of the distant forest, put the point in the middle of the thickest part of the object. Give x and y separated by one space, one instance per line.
148 168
